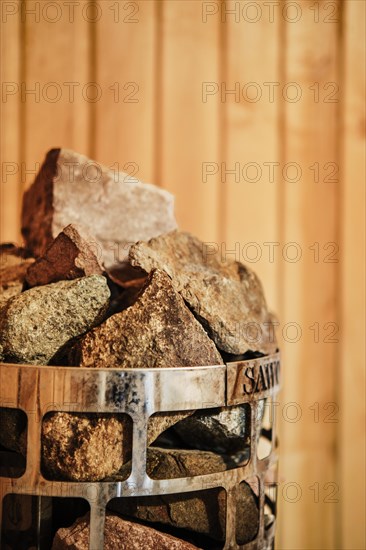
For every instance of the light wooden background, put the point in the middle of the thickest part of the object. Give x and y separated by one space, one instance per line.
160 56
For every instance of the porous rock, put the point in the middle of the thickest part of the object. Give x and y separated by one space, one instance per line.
73 254
202 512
81 447
158 330
117 209
119 534
36 324
226 296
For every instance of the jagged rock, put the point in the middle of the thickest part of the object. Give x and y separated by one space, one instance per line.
118 211
224 430
202 512
73 254
84 447
119 534
13 268
158 330
35 325
225 296
174 463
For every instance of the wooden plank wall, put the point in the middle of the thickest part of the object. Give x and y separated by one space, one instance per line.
252 113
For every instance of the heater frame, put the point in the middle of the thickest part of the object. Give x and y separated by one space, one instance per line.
140 393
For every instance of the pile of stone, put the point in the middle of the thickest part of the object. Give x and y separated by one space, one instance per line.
106 280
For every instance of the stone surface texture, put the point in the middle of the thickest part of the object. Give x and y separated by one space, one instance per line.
13 269
36 324
158 330
226 296
82 447
116 208
225 430
175 463
73 254
201 512
120 534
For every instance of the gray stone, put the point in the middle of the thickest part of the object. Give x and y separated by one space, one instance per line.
120 534
158 330
201 512
73 254
226 296
85 447
224 430
35 325
117 209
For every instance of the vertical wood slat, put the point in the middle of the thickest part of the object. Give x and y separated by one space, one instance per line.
352 394
126 71
10 191
310 211
56 52
189 125
251 144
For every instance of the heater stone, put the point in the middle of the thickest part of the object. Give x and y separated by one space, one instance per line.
83 447
73 254
119 534
225 296
36 324
13 269
118 209
201 512
224 430
158 330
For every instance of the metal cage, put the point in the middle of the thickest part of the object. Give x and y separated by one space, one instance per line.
140 393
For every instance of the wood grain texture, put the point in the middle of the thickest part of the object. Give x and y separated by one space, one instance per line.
249 175
125 59
57 93
352 267
10 69
194 79
310 216
189 126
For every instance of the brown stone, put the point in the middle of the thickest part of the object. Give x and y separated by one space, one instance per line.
13 268
226 296
175 463
158 330
201 512
117 209
73 254
85 447
120 534
35 325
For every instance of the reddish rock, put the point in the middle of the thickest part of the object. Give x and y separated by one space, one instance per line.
226 296
117 209
73 254
120 534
